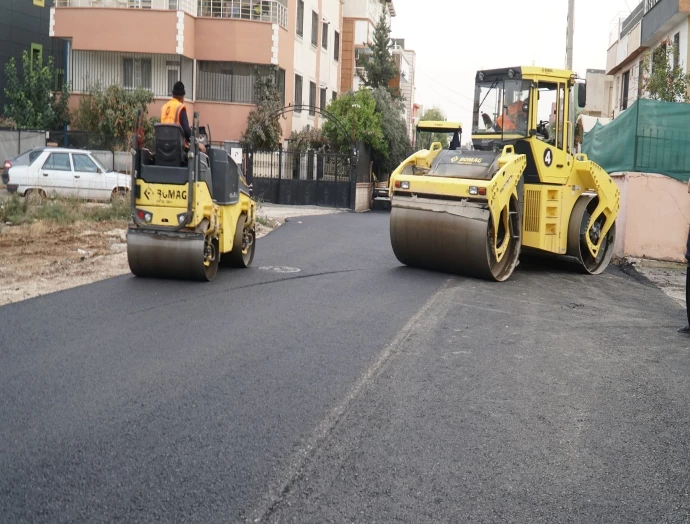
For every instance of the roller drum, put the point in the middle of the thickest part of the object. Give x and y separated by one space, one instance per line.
452 237
577 243
169 255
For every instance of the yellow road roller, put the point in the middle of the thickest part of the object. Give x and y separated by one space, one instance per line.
191 211
520 189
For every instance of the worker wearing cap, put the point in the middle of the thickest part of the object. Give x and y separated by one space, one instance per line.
175 112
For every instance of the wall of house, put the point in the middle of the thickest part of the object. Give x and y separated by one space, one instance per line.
314 63
654 217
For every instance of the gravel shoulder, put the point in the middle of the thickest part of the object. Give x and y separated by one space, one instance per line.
42 258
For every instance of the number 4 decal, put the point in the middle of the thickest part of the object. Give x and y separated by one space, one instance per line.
548 158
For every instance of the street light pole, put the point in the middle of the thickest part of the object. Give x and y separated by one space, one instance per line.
569 38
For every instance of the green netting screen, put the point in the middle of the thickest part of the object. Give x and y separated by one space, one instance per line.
650 137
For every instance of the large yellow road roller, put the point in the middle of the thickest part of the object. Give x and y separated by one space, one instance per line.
191 211
520 188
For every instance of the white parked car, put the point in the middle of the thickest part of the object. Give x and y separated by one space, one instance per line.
53 171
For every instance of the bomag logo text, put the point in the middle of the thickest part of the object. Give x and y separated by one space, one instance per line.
171 194
470 160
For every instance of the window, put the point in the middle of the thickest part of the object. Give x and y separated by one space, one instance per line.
314 29
626 88
658 56
335 95
173 76
84 164
324 95
300 17
336 46
676 50
298 93
59 79
37 54
312 98
58 162
136 72
324 35
234 81
561 115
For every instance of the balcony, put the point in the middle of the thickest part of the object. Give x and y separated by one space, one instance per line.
660 17
629 44
272 11
188 6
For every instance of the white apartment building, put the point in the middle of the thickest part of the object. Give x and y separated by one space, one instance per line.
647 27
318 37
406 61
359 22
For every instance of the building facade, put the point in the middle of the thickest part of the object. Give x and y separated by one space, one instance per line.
359 22
218 48
24 27
648 27
406 62
316 79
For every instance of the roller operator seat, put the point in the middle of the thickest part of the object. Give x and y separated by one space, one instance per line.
170 145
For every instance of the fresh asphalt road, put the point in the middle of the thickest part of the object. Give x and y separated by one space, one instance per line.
354 390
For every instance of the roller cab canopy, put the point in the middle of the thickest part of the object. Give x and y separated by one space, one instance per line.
472 165
434 126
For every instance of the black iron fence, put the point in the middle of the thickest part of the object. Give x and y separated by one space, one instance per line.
302 178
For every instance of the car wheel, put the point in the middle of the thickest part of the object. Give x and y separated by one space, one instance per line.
35 196
119 196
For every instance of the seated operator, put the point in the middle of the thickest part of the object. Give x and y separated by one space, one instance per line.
175 112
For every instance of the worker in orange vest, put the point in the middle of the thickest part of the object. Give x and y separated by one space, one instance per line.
175 112
509 120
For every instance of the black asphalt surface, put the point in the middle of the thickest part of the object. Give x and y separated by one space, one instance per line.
354 390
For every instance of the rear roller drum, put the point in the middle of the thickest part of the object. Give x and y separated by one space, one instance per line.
243 246
577 243
177 256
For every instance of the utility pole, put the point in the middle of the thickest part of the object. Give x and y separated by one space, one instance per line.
569 38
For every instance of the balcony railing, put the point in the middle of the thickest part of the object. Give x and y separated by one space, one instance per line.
188 6
273 11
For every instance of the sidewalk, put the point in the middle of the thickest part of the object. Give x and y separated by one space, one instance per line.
281 213
667 276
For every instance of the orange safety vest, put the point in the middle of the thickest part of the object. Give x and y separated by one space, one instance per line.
511 121
170 114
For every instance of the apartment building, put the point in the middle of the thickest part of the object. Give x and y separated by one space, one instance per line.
24 27
316 76
648 26
405 61
359 22
216 47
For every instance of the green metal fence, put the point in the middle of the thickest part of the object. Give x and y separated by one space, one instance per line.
650 137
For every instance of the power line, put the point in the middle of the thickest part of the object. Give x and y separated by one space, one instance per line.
443 85
451 101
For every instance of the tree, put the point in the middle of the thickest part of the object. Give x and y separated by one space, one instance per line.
111 113
379 67
426 139
359 121
263 123
662 74
303 141
32 103
395 133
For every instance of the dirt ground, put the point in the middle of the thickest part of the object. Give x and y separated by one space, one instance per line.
41 258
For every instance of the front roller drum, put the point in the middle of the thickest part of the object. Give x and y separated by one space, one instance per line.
186 256
453 237
577 241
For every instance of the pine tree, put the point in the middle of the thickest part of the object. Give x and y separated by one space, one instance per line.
379 67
